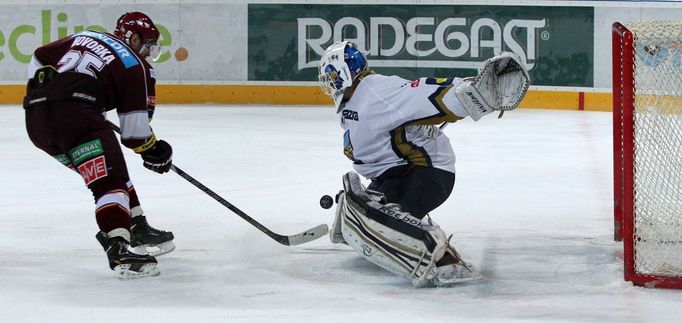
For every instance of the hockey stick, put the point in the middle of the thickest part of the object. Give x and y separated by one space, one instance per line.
292 240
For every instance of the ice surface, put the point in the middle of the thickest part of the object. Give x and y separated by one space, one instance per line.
532 209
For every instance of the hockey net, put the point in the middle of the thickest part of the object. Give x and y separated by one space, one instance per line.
647 129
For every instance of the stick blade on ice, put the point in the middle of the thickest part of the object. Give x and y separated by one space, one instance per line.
307 236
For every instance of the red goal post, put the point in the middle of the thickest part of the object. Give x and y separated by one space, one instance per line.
647 150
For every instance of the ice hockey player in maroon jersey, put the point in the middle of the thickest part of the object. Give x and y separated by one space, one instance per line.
72 82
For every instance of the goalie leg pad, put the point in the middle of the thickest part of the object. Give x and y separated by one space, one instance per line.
335 234
388 237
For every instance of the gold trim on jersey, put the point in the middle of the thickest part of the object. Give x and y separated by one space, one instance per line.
149 143
445 114
405 149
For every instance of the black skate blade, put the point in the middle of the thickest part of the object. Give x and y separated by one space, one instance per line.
132 271
155 250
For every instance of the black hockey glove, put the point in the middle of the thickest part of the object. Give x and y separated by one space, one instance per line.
159 158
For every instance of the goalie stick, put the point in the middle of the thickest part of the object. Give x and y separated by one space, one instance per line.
292 240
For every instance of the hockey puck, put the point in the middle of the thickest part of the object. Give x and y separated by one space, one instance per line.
326 201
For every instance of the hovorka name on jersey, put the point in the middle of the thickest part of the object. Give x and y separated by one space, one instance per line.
104 53
464 32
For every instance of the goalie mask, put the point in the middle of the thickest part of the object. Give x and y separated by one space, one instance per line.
138 23
340 65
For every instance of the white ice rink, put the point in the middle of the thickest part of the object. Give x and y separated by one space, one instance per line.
532 209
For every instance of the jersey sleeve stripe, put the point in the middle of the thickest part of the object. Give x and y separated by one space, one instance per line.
413 154
444 114
135 125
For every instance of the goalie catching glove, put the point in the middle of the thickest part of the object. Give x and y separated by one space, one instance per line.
499 86
159 157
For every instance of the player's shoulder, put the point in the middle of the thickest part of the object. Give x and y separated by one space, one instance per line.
379 83
382 79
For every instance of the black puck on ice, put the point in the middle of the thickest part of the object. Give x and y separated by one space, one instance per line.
326 201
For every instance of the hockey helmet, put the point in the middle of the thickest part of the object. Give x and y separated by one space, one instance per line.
339 67
138 23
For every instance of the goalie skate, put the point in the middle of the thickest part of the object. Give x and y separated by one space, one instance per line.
452 270
454 274
145 239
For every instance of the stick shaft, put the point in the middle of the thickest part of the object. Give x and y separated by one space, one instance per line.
302 237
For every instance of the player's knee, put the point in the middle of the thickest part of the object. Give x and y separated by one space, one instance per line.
113 210
105 185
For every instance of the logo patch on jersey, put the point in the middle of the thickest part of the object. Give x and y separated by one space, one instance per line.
414 83
62 158
93 169
442 81
86 151
350 114
348 146
151 100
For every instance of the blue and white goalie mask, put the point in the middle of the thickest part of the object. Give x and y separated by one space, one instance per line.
339 66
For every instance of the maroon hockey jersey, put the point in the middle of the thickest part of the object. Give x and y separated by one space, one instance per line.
124 81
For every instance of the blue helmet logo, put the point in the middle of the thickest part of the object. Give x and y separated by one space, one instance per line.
333 77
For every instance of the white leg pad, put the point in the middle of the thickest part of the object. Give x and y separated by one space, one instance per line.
389 237
335 234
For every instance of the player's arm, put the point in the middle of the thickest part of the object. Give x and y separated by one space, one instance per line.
48 54
425 101
500 86
136 133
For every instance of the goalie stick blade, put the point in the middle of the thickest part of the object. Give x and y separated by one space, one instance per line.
303 237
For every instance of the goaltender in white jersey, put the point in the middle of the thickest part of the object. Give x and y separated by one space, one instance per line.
392 135
401 114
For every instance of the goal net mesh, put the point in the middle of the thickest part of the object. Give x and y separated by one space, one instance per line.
658 148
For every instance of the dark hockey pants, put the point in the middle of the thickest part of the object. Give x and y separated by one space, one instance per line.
417 189
58 127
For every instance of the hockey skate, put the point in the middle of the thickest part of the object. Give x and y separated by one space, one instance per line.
147 240
452 270
125 263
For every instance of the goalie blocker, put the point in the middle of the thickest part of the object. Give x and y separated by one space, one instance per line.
395 240
499 86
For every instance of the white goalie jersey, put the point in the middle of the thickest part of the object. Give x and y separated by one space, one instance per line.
390 121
